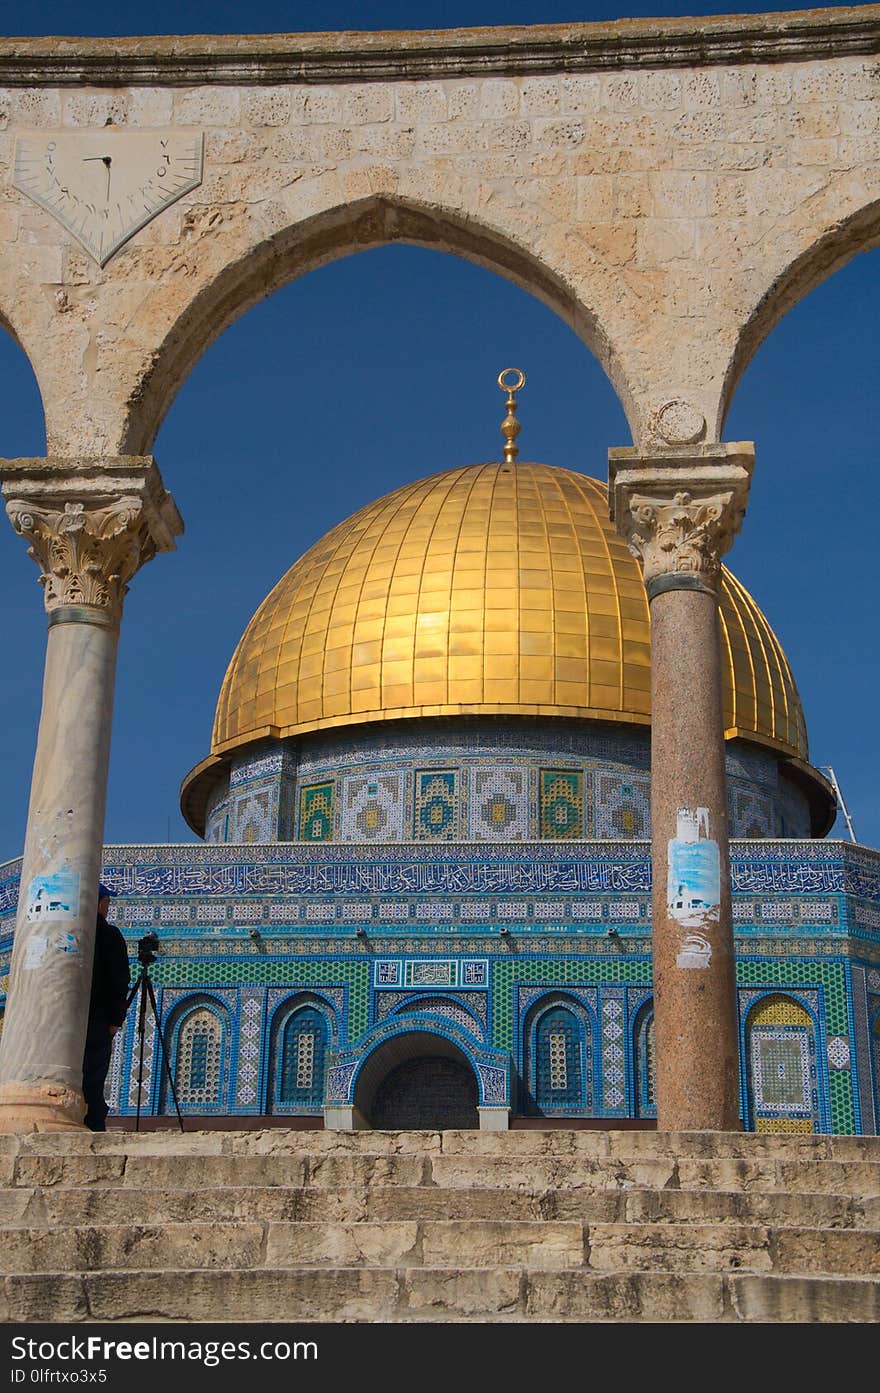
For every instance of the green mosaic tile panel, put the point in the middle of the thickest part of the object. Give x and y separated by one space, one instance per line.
840 1087
316 813
177 972
562 803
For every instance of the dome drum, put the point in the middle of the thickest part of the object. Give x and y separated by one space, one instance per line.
475 780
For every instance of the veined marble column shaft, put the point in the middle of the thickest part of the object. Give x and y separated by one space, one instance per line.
679 512
91 525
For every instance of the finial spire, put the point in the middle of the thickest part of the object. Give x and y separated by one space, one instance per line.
510 427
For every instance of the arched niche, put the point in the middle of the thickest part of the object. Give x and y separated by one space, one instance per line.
781 1066
418 1079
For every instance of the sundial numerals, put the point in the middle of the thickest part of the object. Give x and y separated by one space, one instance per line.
103 186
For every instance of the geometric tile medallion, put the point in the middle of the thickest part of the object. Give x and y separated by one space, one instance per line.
316 813
562 803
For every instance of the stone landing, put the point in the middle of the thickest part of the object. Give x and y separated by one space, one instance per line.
439 1226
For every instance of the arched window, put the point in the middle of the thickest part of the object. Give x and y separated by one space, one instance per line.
645 1062
781 1054
559 1073
199 1059
301 1054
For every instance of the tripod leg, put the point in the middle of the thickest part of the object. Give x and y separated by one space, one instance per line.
142 1018
162 1049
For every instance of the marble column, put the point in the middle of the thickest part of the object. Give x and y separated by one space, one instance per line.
679 511
91 524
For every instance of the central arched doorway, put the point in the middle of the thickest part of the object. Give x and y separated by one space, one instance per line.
418 1081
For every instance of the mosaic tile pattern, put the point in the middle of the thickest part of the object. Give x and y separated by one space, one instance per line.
438 1005
372 808
316 812
435 814
561 803
499 804
614 767
613 1052
623 807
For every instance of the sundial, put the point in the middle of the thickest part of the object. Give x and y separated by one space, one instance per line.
104 185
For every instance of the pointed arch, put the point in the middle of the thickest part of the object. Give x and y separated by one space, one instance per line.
197 1037
644 1061
781 1065
558 1058
806 261
302 1034
341 229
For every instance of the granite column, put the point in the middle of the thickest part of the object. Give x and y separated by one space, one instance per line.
679 512
91 525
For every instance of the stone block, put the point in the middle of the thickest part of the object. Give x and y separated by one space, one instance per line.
810 1300
499 99
45 1297
648 1296
266 106
133 1245
421 103
307 1295
207 106
441 1294
852 1253
386 1244
675 1247
366 104
196 1172
502 1243
539 96
86 107
69 1170
336 1171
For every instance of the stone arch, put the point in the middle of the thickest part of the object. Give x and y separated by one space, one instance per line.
803 262
413 1051
250 275
296 1073
197 1039
781 1065
559 1031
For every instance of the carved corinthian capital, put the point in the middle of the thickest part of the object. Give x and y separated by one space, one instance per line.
91 524
680 512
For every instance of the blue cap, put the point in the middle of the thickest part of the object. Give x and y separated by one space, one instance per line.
104 893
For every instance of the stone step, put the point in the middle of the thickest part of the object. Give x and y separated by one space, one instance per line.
434 1294
468 1243
106 1204
530 1174
597 1144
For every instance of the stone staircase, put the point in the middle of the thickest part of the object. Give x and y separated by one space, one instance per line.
439 1226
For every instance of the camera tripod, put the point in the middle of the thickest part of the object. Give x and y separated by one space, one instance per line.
147 949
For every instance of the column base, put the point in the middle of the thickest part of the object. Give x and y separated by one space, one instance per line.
41 1108
343 1117
494 1119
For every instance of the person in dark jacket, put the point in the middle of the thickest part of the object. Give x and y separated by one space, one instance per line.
110 975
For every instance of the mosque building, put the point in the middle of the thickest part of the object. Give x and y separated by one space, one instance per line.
424 894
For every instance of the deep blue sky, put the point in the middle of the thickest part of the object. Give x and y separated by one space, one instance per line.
380 369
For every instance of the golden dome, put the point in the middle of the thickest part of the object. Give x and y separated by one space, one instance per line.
495 589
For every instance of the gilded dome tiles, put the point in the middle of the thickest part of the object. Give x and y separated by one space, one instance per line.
495 589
